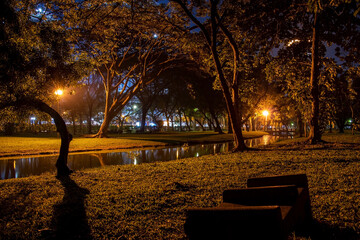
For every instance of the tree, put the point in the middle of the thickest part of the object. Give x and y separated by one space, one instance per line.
214 23
126 46
330 17
315 27
35 58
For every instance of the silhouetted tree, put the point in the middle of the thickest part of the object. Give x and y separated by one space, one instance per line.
35 58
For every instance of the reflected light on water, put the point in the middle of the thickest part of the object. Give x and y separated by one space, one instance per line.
24 167
266 139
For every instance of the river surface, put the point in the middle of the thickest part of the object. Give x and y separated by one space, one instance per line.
28 166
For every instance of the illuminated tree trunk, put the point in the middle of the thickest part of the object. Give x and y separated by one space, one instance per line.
146 102
230 131
103 130
315 134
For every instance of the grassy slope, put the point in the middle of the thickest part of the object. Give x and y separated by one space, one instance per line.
148 201
12 146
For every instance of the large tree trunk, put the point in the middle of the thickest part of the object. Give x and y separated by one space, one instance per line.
230 131
340 124
144 111
104 127
315 134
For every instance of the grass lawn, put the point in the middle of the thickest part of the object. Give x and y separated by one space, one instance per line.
13 146
148 201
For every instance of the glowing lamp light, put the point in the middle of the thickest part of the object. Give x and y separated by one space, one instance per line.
292 42
265 113
59 92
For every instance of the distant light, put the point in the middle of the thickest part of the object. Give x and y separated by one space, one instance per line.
350 121
292 124
33 118
265 113
59 92
197 154
292 42
155 35
138 124
39 10
134 106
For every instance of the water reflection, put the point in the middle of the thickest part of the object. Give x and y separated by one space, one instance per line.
24 167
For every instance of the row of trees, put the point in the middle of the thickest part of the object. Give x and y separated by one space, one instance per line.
250 50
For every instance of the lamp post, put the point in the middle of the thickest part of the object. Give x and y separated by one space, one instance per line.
265 113
58 93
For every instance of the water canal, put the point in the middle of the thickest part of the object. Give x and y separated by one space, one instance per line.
28 166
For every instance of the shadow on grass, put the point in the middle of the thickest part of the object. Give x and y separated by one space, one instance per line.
321 231
69 217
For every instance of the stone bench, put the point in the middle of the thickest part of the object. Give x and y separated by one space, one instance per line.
302 205
257 212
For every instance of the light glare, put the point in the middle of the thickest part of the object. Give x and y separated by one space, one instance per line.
59 92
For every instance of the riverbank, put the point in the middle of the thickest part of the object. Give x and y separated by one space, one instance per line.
31 145
148 201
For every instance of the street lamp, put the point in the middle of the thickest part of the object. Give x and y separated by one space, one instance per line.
265 113
58 93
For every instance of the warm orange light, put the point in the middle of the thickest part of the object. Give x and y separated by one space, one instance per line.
59 92
265 113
